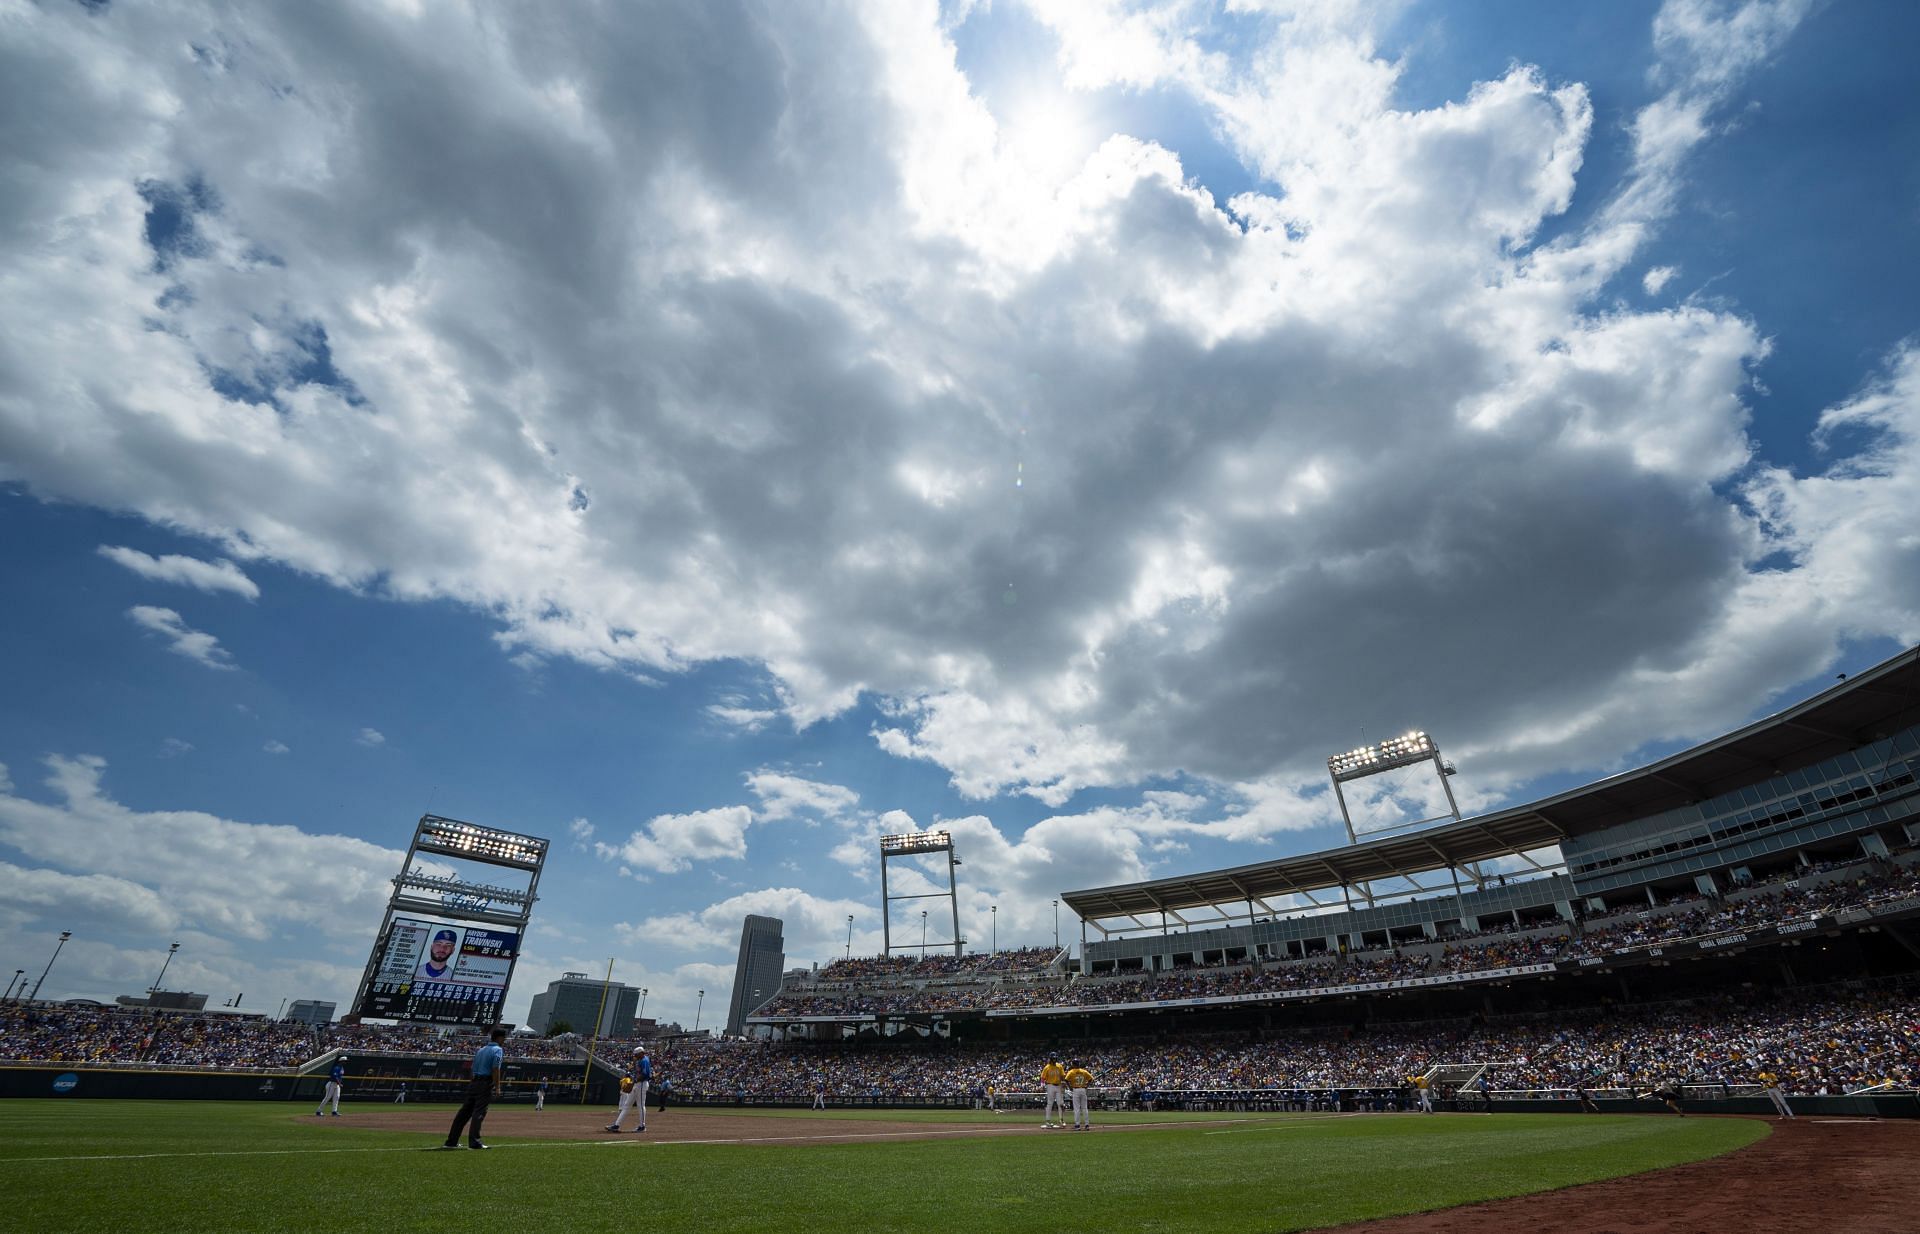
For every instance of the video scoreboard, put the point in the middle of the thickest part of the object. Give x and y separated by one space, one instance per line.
440 972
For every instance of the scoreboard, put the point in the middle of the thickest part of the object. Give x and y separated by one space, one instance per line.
439 972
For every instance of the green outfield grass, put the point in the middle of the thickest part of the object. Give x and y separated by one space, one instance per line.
100 1165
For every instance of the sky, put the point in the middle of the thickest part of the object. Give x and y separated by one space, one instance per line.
713 436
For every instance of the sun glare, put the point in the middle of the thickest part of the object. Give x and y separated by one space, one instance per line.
1047 136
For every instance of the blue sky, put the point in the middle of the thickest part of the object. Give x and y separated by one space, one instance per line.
714 440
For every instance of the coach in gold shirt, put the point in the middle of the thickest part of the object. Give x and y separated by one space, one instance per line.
1079 1080
1052 1076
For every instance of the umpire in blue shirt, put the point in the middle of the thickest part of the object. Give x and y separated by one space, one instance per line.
488 1062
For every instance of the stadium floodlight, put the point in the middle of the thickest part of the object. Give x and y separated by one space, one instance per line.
454 838
1407 750
1414 747
915 844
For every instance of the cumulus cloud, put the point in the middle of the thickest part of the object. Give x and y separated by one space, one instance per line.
784 796
224 877
1656 279
174 747
276 747
670 843
183 640
371 737
813 926
819 363
173 568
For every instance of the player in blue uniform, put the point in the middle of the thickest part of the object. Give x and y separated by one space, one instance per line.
335 1078
642 1076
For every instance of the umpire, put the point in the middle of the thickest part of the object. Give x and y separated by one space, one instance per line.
488 1063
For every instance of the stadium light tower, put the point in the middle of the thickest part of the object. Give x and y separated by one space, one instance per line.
915 844
697 1007
1409 750
155 987
64 936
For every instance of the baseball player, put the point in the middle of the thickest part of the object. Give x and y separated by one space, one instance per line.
634 1090
1779 1099
1424 1087
1079 1080
335 1078
1052 1076
540 1097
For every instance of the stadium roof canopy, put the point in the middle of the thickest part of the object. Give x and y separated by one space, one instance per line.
1864 708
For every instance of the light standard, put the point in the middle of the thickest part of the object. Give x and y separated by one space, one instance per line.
1056 925
696 1010
849 936
64 936
995 911
155 987
642 1014
19 979
923 933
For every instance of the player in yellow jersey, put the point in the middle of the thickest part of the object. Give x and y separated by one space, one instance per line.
1053 1075
1079 1080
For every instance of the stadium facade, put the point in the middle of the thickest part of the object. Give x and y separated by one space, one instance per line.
1831 777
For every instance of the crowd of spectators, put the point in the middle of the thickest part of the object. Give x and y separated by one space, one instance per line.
1825 1042
900 987
424 1039
65 1033
129 1036
1016 961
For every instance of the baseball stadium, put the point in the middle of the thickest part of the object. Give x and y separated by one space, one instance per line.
1635 1005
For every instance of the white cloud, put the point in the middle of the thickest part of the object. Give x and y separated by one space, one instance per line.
195 645
174 747
813 927
371 737
670 843
206 575
780 352
580 829
276 747
784 796
1657 278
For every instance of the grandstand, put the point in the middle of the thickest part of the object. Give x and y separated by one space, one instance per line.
1776 863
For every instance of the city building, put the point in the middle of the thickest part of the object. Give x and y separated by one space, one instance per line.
576 998
757 973
309 1011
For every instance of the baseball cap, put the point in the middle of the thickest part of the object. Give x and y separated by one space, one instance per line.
448 935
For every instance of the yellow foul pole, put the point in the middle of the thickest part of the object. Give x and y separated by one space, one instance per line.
586 1076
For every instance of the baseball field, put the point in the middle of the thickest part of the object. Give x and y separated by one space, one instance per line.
70 1165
